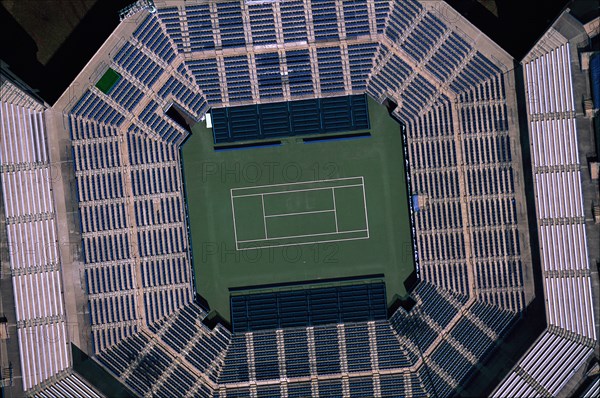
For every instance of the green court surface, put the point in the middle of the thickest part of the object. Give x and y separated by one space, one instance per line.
298 212
108 80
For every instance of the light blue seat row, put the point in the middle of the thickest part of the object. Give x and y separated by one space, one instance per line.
262 23
150 33
96 155
231 25
103 217
164 272
109 278
143 150
237 73
91 106
206 74
157 242
84 129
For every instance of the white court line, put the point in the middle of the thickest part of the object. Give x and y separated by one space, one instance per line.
262 200
300 212
296 183
335 211
298 190
365 203
234 227
302 236
266 239
303 243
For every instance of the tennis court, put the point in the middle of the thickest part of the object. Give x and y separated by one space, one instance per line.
300 213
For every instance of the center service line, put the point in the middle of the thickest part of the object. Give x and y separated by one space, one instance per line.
262 199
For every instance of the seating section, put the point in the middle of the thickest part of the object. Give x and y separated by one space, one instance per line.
150 33
231 25
160 303
361 387
148 86
198 20
180 382
448 57
423 37
454 364
285 119
158 208
401 16
269 391
262 21
235 367
546 368
411 31
438 308
390 353
184 332
331 76
299 390
293 21
330 388
477 71
172 21
192 103
295 342
266 360
192 31
119 358
419 333
495 319
326 350
143 68
558 188
340 304
472 338
146 365
149 368
324 20
392 386
242 392
391 73
299 73
106 241
142 150
296 353
468 343
311 64
360 58
492 187
355 22
106 228
206 73
237 76
126 94
69 384
268 71
167 130
157 203
358 349
26 182
92 106
144 362
207 355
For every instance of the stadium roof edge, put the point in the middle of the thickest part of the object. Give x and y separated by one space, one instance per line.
482 42
564 28
94 67
9 77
